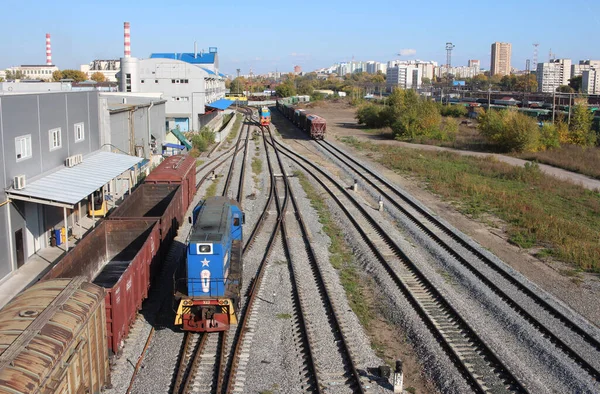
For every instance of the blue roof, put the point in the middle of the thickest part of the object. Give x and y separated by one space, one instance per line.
175 146
200 58
220 104
211 72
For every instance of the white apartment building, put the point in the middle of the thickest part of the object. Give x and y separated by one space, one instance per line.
403 76
459 71
427 68
553 74
590 83
584 65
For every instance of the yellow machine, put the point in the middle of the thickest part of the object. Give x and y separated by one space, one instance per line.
99 207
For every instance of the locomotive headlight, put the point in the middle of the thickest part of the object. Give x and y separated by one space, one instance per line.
204 248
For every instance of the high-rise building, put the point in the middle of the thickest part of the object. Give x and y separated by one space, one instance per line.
584 65
297 69
474 63
590 81
500 62
553 74
404 76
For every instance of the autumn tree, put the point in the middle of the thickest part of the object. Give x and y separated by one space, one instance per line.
286 89
98 77
565 89
75 75
57 75
580 128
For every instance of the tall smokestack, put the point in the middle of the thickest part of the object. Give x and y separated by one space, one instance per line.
48 50
127 37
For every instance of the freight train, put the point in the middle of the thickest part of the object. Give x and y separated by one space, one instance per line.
264 116
314 125
207 286
74 325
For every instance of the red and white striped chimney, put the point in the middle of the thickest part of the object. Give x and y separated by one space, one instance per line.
127 37
48 50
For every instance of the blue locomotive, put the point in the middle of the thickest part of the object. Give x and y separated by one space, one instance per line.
264 116
207 286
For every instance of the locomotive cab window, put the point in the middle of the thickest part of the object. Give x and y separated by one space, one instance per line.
204 248
236 220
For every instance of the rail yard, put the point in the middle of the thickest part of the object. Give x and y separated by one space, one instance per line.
276 316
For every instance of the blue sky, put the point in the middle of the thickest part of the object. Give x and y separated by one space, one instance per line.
279 34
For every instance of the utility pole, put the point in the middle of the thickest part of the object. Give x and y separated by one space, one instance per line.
238 89
553 105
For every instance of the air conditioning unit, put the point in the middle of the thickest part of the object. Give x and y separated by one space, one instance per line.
19 182
79 158
70 162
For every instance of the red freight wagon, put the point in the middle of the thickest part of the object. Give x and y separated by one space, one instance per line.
155 201
316 126
177 170
116 255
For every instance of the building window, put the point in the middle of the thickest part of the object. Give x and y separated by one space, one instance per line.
79 132
23 147
55 140
172 81
141 81
156 81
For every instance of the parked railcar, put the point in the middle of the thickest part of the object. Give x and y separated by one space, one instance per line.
314 125
207 286
116 255
264 116
177 170
53 339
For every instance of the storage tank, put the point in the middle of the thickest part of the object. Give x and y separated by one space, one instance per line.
130 75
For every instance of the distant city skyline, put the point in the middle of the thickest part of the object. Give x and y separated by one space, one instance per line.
84 32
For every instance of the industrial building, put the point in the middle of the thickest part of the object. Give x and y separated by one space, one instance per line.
189 82
66 158
109 68
501 57
552 74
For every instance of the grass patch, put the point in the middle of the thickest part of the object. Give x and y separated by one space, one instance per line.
199 162
539 209
283 316
211 191
341 256
575 158
256 165
235 129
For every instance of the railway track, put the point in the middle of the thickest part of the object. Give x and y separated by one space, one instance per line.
565 334
477 363
247 321
342 373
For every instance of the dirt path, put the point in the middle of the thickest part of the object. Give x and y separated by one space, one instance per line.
578 290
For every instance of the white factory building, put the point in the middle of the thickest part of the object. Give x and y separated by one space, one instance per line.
110 68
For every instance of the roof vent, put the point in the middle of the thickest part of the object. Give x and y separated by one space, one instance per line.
28 313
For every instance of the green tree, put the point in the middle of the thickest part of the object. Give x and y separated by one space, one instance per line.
576 83
426 81
526 83
511 130
305 87
286 89
565 89
75 75
57 75
12 75
480 82
237 85
98 77
580 129
1 79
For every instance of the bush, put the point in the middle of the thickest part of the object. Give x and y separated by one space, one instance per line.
373 115
455 111
203 139
549 137
417 117
511 130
